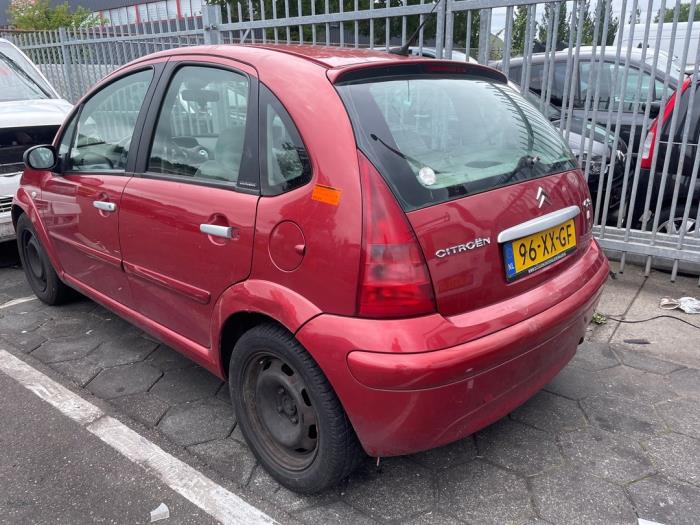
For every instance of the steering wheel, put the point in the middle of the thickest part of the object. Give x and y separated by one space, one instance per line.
89 159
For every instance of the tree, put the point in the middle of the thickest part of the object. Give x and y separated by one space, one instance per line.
683 14
519 30
636 17
603 7
41 15
562 26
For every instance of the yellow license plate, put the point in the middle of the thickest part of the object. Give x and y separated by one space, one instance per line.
528 254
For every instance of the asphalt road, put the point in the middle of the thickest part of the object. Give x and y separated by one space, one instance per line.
55 471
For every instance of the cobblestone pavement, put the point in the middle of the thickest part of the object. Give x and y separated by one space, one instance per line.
615 436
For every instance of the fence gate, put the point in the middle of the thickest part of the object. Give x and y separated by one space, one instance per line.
600 70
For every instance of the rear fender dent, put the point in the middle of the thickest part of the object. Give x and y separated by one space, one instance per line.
277 302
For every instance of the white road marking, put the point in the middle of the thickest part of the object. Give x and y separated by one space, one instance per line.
15 302
212 498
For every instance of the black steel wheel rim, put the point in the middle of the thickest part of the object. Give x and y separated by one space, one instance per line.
36 268
279 408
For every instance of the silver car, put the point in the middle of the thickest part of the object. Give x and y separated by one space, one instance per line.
31 112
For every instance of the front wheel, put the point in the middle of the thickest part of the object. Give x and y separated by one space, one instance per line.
289 413
40 274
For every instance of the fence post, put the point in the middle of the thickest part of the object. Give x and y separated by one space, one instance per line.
211 22
484 35
440 29
66 62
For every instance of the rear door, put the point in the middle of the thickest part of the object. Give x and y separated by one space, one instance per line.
81 205
188 216
489 186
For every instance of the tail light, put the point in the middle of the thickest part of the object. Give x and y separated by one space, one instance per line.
648 148
394 279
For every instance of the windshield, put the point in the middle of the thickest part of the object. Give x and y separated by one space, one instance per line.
436 138
16 83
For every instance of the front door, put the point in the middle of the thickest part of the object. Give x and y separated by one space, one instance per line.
81 204
188 217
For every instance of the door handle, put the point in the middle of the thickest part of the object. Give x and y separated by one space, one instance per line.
105 206
217 231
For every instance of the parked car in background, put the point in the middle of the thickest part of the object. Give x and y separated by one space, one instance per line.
600 143
30 113
680 167
366 271
430 52
609 99
670 47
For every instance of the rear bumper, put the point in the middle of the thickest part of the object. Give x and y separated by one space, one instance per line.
403 400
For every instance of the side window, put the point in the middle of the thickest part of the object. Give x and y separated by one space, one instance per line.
284 161
67 138
201 127
659 90
514 73
106 125
536 80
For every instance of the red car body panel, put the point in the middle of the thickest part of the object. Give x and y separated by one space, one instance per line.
408 384
176 273
419 400
465 282
86 239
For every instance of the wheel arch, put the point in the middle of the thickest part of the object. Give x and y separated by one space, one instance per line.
251 303
24 205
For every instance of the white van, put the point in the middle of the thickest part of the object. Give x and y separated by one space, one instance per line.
670 47
31 112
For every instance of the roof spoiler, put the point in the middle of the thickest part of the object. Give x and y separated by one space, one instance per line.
367 71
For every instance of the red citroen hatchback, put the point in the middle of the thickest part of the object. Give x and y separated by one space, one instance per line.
379 253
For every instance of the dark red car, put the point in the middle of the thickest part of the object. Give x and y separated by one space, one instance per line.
379 253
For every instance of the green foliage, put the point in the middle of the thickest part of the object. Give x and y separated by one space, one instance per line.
41 15
562 26
519 30
683 14
589 21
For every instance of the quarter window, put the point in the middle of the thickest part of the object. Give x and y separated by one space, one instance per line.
284 160
106 125
201 129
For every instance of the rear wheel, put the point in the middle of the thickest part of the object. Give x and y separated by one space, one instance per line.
288 412
40 274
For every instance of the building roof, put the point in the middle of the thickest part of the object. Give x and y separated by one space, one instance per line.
90 5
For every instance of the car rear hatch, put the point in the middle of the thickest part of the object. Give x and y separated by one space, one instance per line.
489 187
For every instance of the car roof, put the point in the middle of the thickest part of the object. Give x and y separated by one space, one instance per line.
328 57
286 62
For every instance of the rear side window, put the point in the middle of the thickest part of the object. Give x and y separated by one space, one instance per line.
284 161
439 137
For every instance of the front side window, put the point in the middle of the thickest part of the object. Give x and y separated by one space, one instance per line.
106 125
201 128
439 137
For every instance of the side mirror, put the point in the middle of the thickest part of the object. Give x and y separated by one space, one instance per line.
40 158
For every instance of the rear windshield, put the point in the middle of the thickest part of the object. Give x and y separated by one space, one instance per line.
440 137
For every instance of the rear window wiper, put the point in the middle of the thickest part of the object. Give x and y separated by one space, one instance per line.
405 157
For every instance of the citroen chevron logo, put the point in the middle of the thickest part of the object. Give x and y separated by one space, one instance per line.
542 197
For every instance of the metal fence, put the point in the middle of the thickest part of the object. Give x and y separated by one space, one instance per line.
600 73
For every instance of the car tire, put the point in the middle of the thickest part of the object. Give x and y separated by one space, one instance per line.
288 412
38 269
